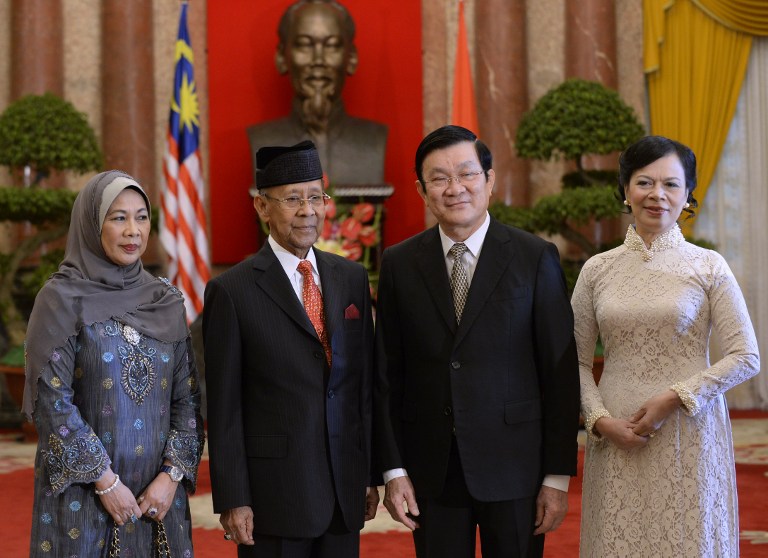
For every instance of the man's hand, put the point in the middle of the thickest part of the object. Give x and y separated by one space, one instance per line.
399 491
238 522
551 507
371 502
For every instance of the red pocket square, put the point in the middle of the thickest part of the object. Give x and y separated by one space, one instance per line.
351 313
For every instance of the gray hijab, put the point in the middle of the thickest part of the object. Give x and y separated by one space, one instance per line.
90 288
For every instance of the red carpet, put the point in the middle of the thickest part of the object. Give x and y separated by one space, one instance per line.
751 474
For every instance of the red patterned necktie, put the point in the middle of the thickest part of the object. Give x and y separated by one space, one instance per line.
313 304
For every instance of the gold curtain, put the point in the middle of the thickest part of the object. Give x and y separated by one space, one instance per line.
695 67
747 16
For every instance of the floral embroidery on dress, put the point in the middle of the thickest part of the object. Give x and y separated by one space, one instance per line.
138 372
184 451
82 460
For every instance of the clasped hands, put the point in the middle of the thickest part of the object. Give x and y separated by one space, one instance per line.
642 426
124 507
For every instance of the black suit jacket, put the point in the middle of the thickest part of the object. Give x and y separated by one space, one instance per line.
506 378
284 432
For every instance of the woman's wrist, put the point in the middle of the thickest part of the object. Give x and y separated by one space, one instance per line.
101 492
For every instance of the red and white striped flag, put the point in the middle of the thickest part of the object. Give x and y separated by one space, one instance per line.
182 219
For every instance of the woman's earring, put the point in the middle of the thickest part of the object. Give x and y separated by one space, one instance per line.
687 205
626 202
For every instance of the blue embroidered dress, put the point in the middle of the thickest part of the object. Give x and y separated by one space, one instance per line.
113 395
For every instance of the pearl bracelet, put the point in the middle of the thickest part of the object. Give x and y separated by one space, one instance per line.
109 489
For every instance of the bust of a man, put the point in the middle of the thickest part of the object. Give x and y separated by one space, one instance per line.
316 48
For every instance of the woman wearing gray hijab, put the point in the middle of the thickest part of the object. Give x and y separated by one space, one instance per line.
112 388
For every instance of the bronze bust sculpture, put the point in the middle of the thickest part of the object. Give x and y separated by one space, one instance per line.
316 47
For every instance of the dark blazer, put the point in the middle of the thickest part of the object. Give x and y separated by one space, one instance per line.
283 428
506 379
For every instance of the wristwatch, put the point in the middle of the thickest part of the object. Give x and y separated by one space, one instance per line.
174 472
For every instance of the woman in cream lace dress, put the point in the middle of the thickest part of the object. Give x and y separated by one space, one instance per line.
659 475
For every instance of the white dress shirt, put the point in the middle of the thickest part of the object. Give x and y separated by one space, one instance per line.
290 264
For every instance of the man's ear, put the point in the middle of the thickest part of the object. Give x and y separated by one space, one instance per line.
282 67
352 61
260 205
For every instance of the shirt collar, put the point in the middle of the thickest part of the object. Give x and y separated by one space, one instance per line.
288 260
474 243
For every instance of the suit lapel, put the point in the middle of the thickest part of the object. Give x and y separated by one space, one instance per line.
333 290
271 278
431 263
495 257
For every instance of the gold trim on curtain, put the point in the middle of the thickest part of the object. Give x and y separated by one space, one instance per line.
695 68
747 16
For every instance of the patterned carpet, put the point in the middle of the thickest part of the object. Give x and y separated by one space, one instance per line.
382 537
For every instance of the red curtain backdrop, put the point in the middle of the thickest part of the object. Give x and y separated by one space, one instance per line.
245 88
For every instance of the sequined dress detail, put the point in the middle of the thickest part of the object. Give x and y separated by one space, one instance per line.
111 395
653 309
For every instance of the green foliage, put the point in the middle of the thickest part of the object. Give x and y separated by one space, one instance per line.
575 206
576 179
576 118
553 214
520 217
47 132
14 357
33 280
36 205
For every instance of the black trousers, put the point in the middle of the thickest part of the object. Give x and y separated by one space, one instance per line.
448 523
336 542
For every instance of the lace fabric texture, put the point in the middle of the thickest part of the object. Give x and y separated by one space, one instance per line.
654 310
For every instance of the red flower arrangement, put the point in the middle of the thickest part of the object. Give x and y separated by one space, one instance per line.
351 230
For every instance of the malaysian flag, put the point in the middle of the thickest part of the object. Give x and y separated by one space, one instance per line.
182 220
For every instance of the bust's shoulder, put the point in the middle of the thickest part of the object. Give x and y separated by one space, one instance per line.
280 131
364 125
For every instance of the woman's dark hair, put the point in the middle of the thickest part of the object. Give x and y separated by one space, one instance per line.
652 148
446 137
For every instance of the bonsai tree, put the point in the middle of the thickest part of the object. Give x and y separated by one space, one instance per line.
38 134
574 119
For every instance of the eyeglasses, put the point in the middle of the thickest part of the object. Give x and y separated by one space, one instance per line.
295 202
465 178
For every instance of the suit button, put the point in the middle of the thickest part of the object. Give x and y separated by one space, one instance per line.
448 411
331 395
318 354
455 365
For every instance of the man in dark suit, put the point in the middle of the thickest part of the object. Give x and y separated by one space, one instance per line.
289 374
477 390
317 49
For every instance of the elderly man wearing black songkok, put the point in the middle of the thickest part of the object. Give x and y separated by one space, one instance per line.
288 352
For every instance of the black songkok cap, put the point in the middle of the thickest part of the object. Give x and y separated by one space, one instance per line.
279 165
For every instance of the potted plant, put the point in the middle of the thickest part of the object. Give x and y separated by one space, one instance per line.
575 119
39 135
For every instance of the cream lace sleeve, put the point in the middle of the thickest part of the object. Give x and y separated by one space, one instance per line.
733 327
586 332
